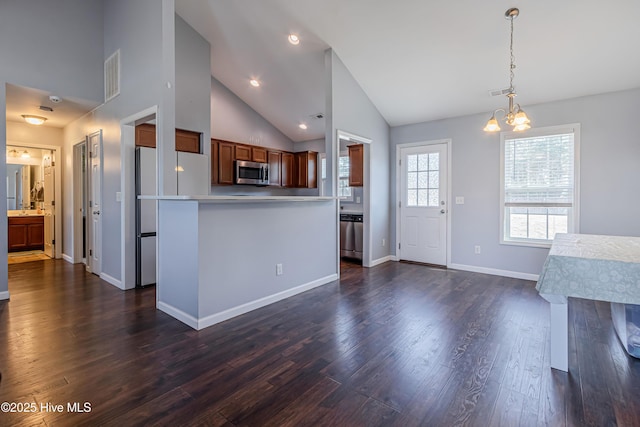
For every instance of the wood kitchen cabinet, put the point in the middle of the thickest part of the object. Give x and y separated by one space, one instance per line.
242 152
214 162
25 233
226 153
259 154
146 135
275 166
251 153
186 140
306 163
287 170
356 165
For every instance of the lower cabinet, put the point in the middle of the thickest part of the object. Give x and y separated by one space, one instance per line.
25 233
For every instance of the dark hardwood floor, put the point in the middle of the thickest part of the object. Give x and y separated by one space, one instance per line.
397 344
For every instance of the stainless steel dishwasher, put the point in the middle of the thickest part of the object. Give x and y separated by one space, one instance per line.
351 236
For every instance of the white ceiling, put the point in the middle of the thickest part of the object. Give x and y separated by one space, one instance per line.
22 100
417 60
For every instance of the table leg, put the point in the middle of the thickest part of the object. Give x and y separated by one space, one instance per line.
559 336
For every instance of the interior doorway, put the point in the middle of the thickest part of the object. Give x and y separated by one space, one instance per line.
351 185
80 202
33 186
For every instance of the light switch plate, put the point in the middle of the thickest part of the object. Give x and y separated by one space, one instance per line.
118 196
459 200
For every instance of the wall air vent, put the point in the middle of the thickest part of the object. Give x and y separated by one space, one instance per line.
112 76
317 116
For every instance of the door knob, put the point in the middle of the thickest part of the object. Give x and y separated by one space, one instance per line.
441 210
96 212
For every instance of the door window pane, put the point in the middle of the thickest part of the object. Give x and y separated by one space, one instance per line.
423 180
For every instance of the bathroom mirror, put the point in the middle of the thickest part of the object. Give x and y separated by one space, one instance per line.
25 186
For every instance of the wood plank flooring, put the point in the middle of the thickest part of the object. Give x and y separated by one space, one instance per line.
394 345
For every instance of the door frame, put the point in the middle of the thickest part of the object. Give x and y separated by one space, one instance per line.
79 202
448 198
89 265
57 179
366 190
127 189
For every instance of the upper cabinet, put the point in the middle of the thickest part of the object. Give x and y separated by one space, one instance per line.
186 140
356 165
226 152
306 169
287 170
146 135
275 167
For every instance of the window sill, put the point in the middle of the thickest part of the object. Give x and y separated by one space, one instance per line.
531 244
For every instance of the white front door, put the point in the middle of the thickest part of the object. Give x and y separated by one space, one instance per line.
423 204
49 209
95 203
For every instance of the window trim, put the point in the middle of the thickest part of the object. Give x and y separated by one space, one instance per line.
344 198
545 131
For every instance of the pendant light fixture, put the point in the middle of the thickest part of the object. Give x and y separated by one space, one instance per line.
514 116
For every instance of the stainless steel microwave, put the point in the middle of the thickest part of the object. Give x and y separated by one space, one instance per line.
252 173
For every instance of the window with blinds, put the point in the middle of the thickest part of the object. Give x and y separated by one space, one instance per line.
344 191
538 186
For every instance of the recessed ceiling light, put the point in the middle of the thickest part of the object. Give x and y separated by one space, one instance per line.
34 120
294 39
254 82
302 126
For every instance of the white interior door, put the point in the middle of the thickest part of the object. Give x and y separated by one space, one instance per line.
423 204
95 203
49 210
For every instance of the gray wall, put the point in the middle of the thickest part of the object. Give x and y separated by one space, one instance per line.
50 46
352 111
136 29
609 175
233 120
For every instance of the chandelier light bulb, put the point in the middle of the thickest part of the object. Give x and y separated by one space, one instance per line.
492 125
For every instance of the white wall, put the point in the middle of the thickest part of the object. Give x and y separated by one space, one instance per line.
30 134
609 200
352 111
50 46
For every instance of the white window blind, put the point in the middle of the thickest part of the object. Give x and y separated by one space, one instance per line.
344 191
538 187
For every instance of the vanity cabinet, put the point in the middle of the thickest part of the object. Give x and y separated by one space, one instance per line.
356 165
25 233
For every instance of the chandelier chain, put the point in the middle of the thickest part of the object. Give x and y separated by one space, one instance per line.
512 58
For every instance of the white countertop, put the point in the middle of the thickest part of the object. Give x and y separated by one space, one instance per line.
240 199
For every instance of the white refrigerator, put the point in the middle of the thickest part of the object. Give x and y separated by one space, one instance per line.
145 217
191 175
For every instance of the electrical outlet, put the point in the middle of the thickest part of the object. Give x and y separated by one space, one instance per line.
384 242
358 199
278 269
477 249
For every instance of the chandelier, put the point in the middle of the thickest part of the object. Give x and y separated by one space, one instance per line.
514 116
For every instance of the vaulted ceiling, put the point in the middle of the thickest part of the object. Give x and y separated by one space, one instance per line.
416 60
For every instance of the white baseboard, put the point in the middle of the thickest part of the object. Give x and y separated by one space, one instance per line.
494 272
212 319
185 318
4 295
112 280
382 260
68 258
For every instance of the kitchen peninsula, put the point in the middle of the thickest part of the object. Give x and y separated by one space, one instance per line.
222 256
